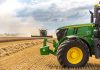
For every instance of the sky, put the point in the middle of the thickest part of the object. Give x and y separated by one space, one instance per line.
28 16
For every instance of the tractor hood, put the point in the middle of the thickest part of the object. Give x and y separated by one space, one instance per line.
75 26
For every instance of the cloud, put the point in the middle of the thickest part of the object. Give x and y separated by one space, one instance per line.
54 17
2 1
26 16
25 1
9 6
16 25
26 25
54 14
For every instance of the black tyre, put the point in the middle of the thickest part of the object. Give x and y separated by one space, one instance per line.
73 53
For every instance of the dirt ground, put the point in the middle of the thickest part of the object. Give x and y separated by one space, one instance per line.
25 55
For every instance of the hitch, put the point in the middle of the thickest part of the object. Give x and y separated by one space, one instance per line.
45 49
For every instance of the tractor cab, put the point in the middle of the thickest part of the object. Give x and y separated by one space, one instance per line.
96 37
96 10
97 14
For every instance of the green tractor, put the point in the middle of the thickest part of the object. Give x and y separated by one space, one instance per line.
76 42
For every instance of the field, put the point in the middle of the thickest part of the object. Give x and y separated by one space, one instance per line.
24 55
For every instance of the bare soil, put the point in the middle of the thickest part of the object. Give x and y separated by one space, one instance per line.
11 39
25 55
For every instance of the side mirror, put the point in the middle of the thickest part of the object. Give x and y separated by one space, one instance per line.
92 17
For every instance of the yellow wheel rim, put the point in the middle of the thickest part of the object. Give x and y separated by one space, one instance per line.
74 55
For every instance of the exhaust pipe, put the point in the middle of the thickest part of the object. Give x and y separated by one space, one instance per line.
92 17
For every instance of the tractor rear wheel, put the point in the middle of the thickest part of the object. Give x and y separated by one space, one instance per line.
73 53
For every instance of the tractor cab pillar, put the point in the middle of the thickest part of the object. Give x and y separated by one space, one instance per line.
97 14
97 30
97 20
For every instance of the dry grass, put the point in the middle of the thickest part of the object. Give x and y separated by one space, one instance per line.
27 57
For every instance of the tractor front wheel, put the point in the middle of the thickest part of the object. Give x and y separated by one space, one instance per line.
73 53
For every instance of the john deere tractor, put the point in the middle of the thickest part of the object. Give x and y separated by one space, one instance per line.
76 43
